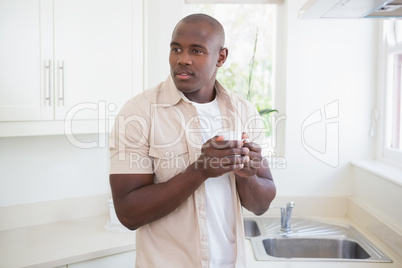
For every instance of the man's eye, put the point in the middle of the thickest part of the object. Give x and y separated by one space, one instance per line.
175 49
197 51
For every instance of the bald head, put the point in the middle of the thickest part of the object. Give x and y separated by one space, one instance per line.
217 27
196 52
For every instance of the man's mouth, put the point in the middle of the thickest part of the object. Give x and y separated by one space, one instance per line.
183 74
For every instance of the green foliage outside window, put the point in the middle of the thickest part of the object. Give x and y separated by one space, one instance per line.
250 38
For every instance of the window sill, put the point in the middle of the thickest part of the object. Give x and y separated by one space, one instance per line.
381 169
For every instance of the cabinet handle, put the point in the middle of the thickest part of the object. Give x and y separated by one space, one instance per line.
48 82
61 82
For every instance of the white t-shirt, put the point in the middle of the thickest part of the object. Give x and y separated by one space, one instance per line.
220 210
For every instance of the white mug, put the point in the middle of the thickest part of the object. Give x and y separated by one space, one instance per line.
231 135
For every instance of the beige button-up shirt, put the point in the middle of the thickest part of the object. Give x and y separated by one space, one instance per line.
158 132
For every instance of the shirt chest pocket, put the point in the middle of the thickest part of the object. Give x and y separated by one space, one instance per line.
169 161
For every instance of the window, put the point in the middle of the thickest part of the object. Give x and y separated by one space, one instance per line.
250 40
392 98
250 70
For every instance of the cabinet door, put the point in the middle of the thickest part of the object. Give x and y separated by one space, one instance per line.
121 260
93 48
20 64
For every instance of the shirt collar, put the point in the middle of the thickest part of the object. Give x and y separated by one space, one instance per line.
172 95
221 92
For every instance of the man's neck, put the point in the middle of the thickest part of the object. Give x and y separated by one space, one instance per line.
201 98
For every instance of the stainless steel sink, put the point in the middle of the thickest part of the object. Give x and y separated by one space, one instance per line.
314 248
309 240
251 229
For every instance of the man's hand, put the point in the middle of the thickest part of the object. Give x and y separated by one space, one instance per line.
254 181
254 164
219 156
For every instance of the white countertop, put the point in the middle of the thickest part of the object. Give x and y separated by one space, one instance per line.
62 243
56 244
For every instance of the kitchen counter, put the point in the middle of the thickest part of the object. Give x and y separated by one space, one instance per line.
56 244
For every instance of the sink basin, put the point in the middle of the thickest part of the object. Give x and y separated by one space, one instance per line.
309 240
251 229
314 248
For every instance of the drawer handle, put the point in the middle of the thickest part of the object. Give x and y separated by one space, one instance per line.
48 83
61 82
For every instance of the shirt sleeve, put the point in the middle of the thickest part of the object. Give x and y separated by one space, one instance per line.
129 142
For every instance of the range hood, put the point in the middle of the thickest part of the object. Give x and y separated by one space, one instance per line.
351 9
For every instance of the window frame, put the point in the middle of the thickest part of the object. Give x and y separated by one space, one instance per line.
386 153
278 139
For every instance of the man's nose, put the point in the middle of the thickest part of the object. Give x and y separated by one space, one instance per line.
184 59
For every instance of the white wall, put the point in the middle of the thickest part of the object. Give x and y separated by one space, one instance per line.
35 169
327 61
378 195
160 20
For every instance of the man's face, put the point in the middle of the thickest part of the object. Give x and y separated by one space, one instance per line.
194 57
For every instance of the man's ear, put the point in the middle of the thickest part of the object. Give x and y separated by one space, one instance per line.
223 55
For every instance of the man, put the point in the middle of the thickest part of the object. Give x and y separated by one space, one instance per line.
173 176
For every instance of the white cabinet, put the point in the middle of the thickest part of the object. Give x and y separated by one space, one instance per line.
20 60
93 42
69 59
121 260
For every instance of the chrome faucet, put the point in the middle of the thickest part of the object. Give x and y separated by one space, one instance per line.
286 214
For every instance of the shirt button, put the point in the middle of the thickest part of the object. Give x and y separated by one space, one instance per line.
195 120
